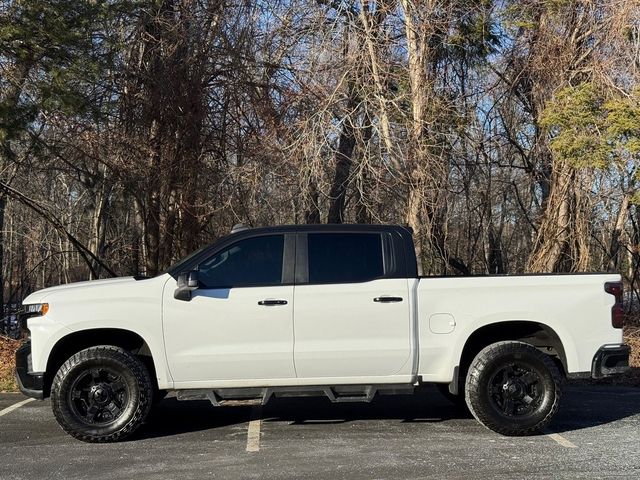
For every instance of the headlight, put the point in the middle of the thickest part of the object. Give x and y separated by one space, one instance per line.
14 325
35 309
28 311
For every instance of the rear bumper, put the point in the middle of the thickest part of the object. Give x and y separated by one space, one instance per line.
30 383
610 360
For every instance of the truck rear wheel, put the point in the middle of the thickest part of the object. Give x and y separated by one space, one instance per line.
101 394
513 388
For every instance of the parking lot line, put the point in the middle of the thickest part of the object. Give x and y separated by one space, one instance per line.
15 406
561 440
253 431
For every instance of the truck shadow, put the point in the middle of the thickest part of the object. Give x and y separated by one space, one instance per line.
582 407
591 405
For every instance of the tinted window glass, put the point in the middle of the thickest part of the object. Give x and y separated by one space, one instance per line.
254 261
345 257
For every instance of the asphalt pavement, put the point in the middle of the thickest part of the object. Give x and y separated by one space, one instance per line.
596 434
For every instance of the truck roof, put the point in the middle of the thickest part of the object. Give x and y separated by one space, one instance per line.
322 227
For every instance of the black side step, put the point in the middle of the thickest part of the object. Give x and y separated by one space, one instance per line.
261 395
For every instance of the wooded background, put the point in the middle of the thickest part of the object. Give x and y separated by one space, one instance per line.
506 134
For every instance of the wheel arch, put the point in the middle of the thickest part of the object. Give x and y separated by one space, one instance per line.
537 334
76 341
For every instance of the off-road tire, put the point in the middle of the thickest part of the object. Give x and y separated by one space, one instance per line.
489 367
133 374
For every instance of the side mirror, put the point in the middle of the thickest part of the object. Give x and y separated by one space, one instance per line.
187 283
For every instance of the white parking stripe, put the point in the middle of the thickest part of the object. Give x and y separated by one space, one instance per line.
15 406
561 440
253 432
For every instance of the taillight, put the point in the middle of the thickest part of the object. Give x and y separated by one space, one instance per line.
617 312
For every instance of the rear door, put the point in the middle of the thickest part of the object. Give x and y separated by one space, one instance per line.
351 306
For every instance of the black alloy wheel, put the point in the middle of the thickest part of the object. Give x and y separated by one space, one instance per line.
98 396
102 394
513 388
516 389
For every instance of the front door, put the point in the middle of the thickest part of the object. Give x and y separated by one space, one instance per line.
352 316
238 324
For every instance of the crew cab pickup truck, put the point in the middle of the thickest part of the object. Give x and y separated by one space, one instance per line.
334 310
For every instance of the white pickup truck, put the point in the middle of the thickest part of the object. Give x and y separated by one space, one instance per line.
335 310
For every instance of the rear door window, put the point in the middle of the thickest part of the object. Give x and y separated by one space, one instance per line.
345 257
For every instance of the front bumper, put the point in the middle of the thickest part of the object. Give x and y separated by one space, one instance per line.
610 360
30 383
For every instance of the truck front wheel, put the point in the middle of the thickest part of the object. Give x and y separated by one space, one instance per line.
513 388
101 394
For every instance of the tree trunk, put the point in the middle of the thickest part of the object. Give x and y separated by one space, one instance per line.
618 231
417 161
552 240
3 204
413 217
313 210
152 218
99 220
371 26
344 160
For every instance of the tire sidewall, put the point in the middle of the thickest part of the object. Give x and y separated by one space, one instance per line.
64 380
488 363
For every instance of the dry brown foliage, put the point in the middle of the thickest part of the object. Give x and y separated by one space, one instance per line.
7 364
632 338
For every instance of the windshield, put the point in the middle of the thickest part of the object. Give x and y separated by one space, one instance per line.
176 268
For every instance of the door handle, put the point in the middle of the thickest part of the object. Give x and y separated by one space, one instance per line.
270 301
387 299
